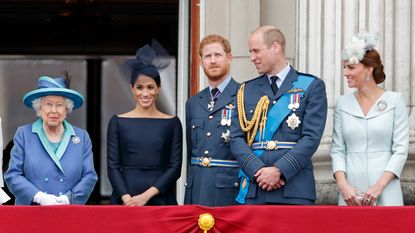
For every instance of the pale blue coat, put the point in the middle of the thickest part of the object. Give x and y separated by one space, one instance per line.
366 146
35 167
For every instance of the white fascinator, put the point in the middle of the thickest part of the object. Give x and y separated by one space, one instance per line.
358 46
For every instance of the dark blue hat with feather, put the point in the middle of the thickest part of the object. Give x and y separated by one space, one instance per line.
149 60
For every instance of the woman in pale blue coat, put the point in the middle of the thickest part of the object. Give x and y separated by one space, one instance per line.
370 138
51 162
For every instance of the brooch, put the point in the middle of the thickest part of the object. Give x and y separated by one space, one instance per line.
381 106
76 140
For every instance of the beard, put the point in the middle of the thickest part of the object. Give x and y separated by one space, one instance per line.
216 75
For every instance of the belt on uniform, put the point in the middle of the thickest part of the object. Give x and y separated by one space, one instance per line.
272 145
209 162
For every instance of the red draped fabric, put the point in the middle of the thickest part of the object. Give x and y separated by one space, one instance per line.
184 219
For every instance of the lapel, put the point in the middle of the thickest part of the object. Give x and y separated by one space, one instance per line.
37 128
352 107
287 84
204 99
227 96
265 86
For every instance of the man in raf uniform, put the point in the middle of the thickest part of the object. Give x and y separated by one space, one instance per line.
281 118
212 177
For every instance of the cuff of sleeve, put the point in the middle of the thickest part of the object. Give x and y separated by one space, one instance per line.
288 166
251 165
397 173
338 166
70 196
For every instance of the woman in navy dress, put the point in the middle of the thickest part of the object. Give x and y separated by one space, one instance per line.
144 150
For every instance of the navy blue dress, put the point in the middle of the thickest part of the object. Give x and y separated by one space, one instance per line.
144 152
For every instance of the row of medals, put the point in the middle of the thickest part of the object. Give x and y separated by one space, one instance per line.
225 118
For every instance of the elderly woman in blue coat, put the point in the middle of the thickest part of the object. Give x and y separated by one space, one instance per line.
51 162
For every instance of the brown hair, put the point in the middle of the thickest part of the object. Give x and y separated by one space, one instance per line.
372 59
271 34
274 35
214 38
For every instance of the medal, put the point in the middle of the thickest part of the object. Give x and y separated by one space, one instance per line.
381 106
294 101
211 105
223 121
293 121
226 135
230 106
224 117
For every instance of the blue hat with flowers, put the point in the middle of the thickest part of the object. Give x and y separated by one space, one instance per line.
53 86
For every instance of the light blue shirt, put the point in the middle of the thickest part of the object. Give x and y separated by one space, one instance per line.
281 75
222 85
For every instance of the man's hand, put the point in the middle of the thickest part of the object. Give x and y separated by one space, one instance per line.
269 178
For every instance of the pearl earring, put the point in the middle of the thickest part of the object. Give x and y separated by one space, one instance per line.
367 78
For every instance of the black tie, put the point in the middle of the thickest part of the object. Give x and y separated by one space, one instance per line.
274 84
214 94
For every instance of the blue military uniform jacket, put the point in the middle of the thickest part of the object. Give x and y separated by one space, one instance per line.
208 138
33 167
294 163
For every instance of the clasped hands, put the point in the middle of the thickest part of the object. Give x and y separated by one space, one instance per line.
138 200
269 178
48 199
354 198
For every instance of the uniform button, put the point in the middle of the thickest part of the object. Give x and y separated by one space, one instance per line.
61 180
208 134
251 111
210 117
185 184
46 179
236 184
60 193
193 126
206 152
273 102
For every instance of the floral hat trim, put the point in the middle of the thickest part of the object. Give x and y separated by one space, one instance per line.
359 45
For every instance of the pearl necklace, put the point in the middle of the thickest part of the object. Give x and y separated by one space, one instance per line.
54 138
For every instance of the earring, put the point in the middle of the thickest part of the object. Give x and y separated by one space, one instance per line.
367 78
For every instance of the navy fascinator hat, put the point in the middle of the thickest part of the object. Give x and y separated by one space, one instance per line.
149 60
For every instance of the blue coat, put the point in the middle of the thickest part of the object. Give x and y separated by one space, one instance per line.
32 169
295 163
210 186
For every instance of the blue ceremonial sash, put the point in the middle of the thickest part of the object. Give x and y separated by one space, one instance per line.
275 116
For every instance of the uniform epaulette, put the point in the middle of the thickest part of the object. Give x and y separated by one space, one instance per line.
306 74
248 81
